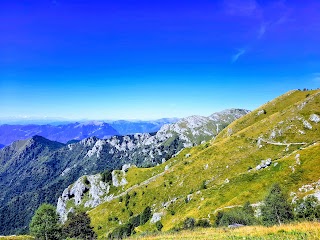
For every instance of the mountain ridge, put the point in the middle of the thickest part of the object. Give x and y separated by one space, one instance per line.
44 174
277 142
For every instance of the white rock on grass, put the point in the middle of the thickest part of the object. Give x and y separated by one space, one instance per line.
306 124
261 112
156 217
297 157
314 118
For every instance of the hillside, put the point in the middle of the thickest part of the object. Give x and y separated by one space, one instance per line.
38 170
60 133
278 142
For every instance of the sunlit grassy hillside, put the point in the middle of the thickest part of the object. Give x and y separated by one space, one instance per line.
222 173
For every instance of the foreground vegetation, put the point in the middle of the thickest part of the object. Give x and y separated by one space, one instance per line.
304 230
275 210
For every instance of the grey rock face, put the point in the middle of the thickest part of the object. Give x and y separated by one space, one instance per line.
92 184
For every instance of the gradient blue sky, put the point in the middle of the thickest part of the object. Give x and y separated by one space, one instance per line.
152 59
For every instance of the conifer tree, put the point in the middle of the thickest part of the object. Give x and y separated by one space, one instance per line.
276 209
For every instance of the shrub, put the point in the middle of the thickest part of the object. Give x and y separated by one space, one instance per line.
78 227
145 215
135 221
308 209
106 176
218 219
85 180
172 212
121 231
235 216
127 197
244 216
203 223
247 208
204 185
159 225
130 213
189 223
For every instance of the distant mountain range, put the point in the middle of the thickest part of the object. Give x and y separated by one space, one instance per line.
60 133
37 170
79 130
125 127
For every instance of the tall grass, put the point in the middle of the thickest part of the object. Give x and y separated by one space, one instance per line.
304 230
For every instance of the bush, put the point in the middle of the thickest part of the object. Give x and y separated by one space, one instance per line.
85 180
106 176
244 216
127 197
145 215
204 185
203 223
172 212
159 225
235 216
121 231
218 219
135 221
247 208
308 209
130 213
78 227
189 223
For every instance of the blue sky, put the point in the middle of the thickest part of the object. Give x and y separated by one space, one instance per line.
152 59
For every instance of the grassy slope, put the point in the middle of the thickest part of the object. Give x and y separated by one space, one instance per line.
224 164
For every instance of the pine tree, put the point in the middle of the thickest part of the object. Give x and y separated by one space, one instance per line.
276 209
